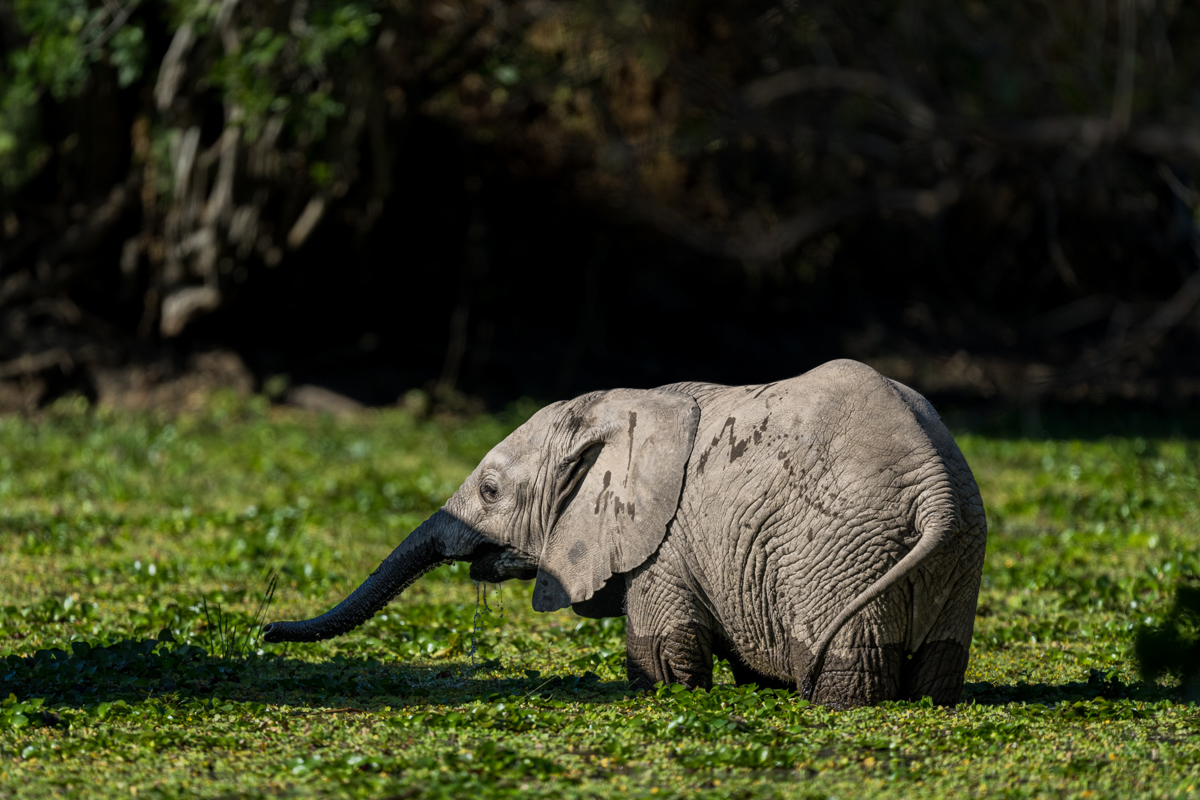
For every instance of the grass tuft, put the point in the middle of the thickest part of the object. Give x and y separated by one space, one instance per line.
225 638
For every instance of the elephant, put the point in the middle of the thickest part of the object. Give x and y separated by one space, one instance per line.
822 533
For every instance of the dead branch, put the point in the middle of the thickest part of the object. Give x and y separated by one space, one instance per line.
1072 316
27 364
119 20
1058 256
87 233
1159 140
1189 197
220 200
306 222
224 25
768 90
1122 107
767 246
1091 132
174 65
756 249
1145 336
183 305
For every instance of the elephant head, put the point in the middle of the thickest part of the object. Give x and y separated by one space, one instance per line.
582 491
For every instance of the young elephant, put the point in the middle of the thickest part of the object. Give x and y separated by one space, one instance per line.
821 533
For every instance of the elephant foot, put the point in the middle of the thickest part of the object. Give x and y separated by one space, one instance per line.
854 677
669 635
862 671
669 659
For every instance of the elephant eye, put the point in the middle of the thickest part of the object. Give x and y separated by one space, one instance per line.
489 491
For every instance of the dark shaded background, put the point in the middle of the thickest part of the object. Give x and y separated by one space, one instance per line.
992 204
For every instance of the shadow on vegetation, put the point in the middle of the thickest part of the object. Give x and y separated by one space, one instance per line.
1100 685
137 669
1173 646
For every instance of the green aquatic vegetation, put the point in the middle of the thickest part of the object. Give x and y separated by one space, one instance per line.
119 531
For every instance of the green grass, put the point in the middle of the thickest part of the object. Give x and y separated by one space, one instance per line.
136 552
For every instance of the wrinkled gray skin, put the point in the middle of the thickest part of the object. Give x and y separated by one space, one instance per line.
821 533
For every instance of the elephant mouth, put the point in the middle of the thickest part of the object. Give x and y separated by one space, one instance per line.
492 563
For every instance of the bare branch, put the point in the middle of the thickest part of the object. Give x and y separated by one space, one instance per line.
170 74
224 25
1159 140
119 20
1072 316
1122 108
1058 256
87 232
766 247
1189 197
220 200
1169 315
306 222
1091 132
1144 337
27 364
183 305
791 233
768 90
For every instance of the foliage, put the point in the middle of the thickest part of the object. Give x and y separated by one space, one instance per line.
120 529
202 142
66 40
280 72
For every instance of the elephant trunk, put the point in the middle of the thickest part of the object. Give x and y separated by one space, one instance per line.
420 552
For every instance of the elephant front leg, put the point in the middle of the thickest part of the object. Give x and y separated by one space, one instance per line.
675 656
669 636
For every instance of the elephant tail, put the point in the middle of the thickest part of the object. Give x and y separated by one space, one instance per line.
934 533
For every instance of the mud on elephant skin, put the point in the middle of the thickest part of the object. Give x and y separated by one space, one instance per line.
822 533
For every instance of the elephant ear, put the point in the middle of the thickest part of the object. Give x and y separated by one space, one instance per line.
616 488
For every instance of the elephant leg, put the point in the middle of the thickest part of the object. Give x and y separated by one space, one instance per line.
859 669
938 666
670 635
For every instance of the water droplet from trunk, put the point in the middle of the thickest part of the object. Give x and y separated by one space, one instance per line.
475 626
481 600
